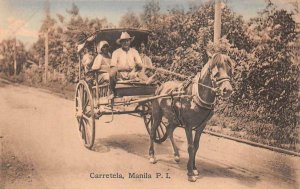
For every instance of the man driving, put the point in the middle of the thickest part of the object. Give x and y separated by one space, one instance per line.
126 59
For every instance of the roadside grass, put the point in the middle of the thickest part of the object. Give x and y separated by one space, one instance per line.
250 130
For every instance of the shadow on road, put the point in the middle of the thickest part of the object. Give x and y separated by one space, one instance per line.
138 144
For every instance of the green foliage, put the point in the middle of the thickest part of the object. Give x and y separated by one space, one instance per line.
63 34
7 52
273 78
151 14
130 20
265 79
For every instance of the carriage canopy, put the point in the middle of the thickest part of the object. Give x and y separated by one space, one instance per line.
111 36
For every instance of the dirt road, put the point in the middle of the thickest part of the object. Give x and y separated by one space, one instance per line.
40 148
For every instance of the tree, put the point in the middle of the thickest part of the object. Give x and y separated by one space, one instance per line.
63 35
150 14
274 76
130 20
268 84
7 51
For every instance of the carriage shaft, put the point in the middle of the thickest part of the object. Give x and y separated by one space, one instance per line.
148 99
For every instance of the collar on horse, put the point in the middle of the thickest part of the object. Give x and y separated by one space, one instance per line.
196 96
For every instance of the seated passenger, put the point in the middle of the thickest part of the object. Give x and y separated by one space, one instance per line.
147 72
102 64
126 59
87 59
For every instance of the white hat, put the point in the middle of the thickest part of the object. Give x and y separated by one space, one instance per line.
125 35
101 44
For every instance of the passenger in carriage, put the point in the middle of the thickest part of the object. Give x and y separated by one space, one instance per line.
87 59
102 64
145 59
148 71
127 60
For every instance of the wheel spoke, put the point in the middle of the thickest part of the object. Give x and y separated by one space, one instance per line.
162 130
147 121
84 98
88 113
85 104
86 117
157 132
83 131
88 130
80 123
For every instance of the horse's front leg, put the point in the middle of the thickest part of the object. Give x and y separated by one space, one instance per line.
196 146
191 151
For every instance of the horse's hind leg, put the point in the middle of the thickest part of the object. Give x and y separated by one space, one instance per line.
156 119
170 130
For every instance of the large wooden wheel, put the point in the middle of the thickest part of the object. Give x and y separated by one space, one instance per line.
161 131
84 106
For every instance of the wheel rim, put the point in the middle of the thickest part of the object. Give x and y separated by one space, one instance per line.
85 114
161 131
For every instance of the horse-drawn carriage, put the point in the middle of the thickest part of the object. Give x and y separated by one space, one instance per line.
92 98
188 104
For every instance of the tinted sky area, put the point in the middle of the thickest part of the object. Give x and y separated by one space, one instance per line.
25 16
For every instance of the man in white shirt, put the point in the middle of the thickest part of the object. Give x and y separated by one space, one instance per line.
126 59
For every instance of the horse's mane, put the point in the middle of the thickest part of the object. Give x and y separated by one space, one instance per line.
216 60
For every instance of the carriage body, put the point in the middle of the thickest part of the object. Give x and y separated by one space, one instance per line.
92 98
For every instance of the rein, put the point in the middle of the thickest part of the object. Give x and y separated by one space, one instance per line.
196 96
214 88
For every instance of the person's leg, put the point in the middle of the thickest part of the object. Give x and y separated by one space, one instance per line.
113 79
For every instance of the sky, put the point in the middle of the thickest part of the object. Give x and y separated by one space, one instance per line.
24 17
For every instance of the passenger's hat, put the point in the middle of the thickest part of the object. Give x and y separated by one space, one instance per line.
101 44
124 36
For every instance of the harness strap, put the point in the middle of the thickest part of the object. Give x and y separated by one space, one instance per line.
196 96
221 80
177 115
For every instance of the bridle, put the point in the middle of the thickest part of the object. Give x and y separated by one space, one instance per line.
215 88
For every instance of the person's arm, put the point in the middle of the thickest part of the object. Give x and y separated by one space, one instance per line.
97 62
114 60
87 60
137 59
148 62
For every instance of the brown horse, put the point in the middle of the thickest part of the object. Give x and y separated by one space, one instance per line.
194 108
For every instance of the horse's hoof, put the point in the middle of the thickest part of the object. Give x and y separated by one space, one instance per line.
152 160
192 178
177 158
196 173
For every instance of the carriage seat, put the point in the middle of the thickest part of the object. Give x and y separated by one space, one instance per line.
134 88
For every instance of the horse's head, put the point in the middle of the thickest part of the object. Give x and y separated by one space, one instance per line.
221 68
